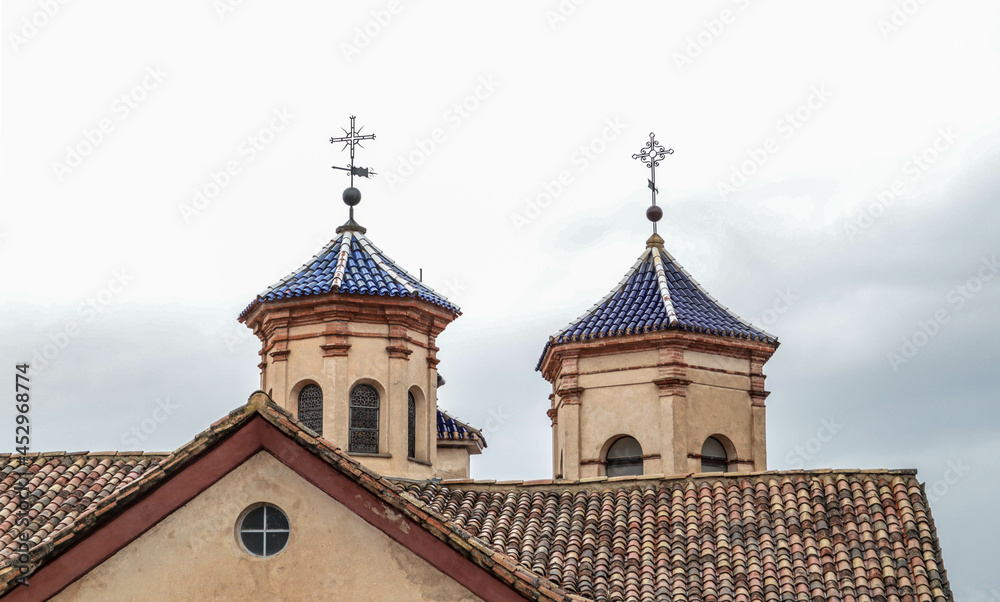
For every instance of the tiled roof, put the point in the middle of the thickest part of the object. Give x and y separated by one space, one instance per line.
657 294
351 264
816 535
110 489
64 486
449 428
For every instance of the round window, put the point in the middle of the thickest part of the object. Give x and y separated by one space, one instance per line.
263 530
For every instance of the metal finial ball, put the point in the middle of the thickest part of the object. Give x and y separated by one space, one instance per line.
654 213
352 196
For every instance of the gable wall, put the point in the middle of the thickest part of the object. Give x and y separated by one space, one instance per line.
332 553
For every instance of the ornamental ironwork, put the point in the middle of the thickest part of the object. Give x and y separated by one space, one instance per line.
651 154
411 426
311 407
364 420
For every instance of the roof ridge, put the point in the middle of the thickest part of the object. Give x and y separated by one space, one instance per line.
81 454
661 281
476 549
377 256
323 251
652 479
342 256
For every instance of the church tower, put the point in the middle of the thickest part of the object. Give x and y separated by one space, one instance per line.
348 347
658 377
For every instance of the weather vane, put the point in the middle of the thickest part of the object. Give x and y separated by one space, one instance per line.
353 138
651 154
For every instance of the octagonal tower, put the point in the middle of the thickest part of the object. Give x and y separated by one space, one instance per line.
348 347
657 378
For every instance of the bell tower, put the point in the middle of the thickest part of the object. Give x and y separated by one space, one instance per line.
657 377
348 347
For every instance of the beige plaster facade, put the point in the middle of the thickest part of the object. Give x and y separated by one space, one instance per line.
332 553
338 342
670 390
453 461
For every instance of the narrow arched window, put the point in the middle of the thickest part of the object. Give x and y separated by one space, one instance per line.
624 458
311 407
713 456
364 420
411 426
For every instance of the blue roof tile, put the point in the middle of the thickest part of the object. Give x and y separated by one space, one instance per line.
657 294
449 428
351 264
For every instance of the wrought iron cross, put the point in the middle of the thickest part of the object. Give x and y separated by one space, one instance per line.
651 155
351 139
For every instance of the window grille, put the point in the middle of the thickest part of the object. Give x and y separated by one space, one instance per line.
411 426
364 420
311 407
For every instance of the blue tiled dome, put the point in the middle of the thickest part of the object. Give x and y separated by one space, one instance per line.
657 294
351 264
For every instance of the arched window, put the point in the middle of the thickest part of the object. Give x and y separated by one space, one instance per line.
713 456
364 420
624 458
411 426
311 407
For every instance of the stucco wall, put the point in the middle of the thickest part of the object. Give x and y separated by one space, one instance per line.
332 554
366 361
614 392
452 463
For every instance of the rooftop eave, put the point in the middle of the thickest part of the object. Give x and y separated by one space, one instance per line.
349 304
475 446
653 339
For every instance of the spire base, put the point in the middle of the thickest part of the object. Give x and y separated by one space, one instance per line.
353 226
655 241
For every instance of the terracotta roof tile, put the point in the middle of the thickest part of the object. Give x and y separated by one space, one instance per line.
62 486
93 497
763 536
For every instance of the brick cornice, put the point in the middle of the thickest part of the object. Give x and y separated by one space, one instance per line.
336 307
757 397
398 352
570 395
665 340
672 385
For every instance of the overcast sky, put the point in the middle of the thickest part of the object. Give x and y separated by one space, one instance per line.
834 181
